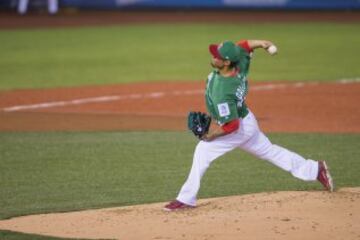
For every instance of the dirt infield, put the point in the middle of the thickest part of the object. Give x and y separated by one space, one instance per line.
279 107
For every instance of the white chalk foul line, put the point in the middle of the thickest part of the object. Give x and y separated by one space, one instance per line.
154 95
63 103
98 100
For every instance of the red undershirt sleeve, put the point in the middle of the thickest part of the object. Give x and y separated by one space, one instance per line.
245 44
231 126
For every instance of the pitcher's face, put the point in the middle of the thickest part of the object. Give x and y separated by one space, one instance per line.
217 63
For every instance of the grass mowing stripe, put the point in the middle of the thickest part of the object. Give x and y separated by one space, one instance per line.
119 54
48 172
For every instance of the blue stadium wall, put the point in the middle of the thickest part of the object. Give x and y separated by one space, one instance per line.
224 4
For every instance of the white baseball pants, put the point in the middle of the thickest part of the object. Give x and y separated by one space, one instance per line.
250 139
52 6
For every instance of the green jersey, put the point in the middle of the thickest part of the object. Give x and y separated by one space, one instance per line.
225 96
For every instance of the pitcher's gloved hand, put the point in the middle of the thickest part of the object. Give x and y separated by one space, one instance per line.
199 123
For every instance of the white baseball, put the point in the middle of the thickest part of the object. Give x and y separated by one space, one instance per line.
272 50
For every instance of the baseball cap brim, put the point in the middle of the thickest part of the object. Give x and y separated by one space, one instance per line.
213 48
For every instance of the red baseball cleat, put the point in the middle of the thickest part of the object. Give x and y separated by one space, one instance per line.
176 205
324 176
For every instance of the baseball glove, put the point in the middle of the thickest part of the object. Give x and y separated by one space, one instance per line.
199 123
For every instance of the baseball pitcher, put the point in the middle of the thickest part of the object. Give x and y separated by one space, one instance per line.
231 123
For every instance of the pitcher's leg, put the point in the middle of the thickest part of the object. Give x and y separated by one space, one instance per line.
205 153
260 146
22 6
53 6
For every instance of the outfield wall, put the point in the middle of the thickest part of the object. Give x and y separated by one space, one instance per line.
223 4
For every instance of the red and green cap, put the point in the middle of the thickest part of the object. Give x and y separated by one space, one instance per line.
226 50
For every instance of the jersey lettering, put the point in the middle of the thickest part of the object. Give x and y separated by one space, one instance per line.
223 109
240 92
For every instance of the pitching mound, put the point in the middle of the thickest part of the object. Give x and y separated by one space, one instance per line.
277 215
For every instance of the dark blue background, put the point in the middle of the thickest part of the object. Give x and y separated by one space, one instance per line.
255 4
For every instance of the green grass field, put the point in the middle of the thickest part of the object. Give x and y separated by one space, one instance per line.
46 172
8 235
59 171
103 55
